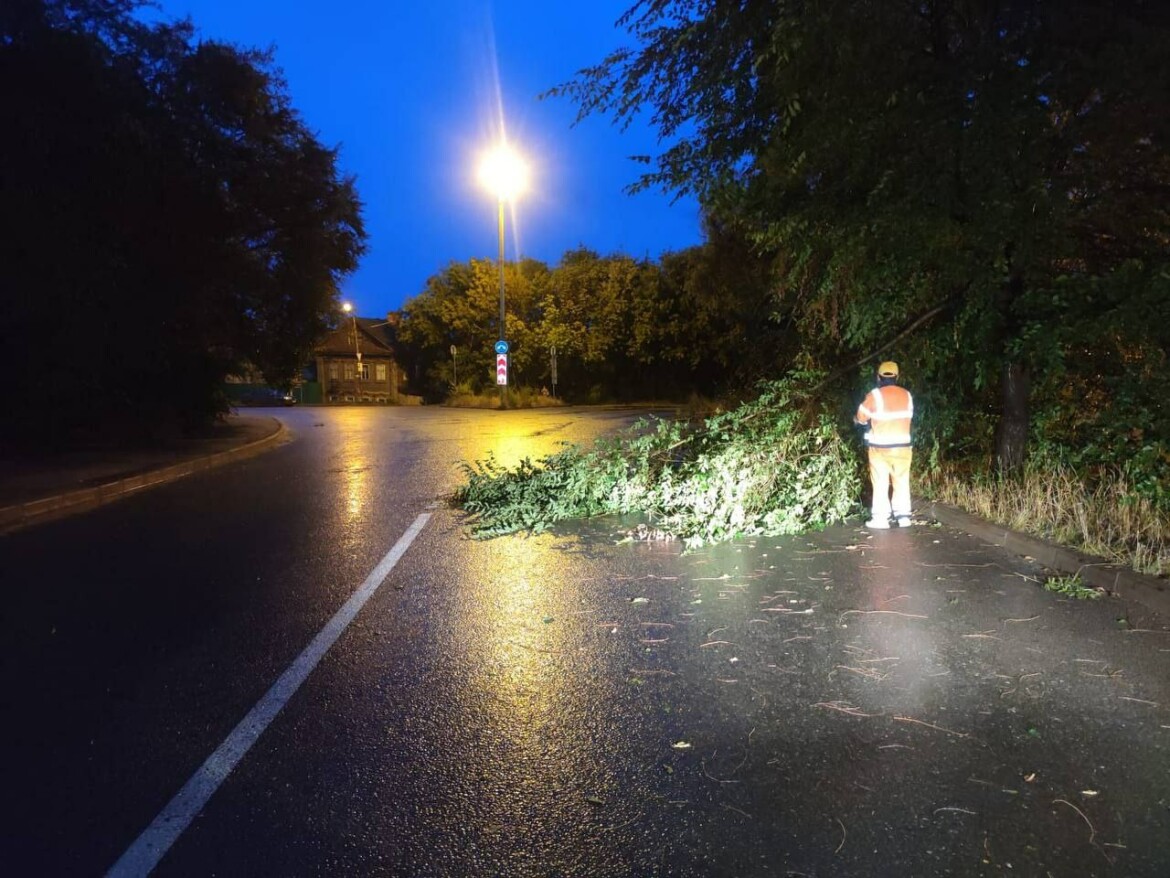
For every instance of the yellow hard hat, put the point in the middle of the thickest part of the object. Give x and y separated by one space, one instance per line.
888 369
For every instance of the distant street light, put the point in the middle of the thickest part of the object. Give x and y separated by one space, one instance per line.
505 174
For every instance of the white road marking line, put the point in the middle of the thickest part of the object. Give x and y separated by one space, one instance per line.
150 847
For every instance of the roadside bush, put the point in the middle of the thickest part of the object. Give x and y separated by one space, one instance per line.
774 465
518 398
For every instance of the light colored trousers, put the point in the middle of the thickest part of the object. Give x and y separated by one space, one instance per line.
890 468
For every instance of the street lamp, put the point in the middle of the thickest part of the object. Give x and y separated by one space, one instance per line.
503 172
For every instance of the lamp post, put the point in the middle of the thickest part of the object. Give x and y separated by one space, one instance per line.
505 174
357 369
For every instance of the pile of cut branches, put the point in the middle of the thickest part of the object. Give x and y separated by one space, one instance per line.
775 465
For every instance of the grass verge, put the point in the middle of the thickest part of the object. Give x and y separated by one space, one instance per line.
1101 516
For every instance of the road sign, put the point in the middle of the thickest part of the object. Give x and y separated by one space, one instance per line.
501 347
501 369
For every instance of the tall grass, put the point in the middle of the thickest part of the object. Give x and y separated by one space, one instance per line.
518 398
1103 516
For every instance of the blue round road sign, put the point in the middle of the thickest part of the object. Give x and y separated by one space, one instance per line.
501 347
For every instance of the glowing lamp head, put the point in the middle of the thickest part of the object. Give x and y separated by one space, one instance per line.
503 172
346 307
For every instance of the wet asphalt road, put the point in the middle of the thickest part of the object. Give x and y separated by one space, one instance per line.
903 703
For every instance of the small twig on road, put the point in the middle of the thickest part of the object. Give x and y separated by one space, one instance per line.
716 643
1023 576
620 825
1029 619
1092 830
960 810
1139 700
881 613
955 565
738 811
982 635
918 722
535 648
844 835
1112 675
843 708
652 672
656 624
864 672
709 776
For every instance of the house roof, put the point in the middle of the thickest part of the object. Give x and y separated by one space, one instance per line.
386 331
371 343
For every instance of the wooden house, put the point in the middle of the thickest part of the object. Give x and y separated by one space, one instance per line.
355 362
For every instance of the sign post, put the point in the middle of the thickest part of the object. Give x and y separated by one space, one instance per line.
502 363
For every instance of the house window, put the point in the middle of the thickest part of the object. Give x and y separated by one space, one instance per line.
380 371
333 370
349 371
365 370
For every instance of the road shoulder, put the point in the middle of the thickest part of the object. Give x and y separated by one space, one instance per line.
1120 582
39 491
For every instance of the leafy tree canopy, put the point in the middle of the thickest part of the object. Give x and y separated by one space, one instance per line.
1000 169
624 329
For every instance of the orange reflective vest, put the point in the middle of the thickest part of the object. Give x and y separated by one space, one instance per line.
888 410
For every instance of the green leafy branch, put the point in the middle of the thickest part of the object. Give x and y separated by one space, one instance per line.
777 464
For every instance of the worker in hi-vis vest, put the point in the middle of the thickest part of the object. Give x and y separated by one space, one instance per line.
885 413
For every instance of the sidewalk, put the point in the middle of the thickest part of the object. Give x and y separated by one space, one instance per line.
32 492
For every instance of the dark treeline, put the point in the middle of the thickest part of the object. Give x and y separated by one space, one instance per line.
694 322
167 217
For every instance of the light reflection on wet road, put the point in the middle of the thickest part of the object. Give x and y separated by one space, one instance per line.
836 704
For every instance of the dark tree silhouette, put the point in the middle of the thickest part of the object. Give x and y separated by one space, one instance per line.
167 218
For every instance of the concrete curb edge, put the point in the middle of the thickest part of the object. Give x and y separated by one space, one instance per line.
1120 582
21 515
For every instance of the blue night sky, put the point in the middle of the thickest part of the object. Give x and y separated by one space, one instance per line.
412 93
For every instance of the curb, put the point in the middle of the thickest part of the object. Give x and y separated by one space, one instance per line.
20 515
1120 582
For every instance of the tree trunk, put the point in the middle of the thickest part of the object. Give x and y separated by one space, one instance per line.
1011 440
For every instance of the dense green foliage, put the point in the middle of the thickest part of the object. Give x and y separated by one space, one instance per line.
775 465
992 177
695 321
168 217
